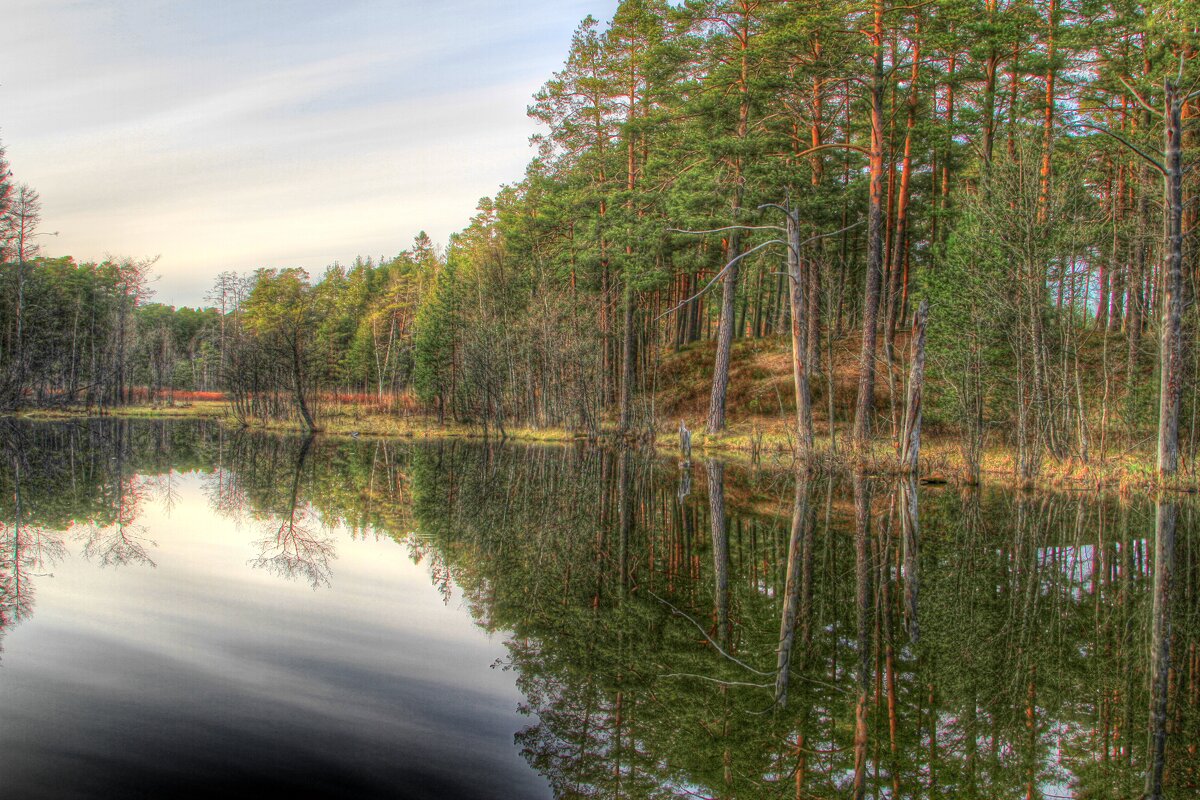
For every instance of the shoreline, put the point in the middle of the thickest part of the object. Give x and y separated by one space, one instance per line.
759 442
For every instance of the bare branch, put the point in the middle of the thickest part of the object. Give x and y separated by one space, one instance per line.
909 8
831 233
1141 101
833 146
1149 158
717 277
716 680
812 239
704 633
728 228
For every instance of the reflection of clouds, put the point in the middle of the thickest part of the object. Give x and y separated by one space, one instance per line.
295 551
118 545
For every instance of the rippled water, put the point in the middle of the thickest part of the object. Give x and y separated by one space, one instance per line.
188 610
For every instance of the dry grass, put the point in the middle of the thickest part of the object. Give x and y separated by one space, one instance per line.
766 441
770 442
760 379
203 409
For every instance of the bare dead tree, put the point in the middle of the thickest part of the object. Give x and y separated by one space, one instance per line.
798 304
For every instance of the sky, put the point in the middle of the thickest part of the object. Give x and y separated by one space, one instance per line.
238 134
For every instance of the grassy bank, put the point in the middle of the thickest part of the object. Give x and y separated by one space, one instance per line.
346 420
207 409
764 441
759 441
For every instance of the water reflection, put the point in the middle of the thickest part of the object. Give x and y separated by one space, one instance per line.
864 608
718 633
1165 519
295 546
798 582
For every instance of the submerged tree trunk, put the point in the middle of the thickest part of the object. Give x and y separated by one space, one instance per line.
910 527
624 516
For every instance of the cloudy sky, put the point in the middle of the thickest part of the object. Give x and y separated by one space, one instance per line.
235 134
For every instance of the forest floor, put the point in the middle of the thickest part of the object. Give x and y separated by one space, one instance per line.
761 424
761 418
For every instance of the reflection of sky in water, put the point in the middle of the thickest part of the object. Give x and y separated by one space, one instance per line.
207 676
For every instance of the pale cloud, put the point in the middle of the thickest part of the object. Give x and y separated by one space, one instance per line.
235 134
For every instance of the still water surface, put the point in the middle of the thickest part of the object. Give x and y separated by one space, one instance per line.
188 610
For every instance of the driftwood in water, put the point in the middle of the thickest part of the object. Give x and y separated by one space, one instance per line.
910 441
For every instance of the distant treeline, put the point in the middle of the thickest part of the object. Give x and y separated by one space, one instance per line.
1024 166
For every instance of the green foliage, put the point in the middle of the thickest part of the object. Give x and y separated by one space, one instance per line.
434 344
967 346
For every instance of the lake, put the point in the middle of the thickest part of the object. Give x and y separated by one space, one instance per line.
191 610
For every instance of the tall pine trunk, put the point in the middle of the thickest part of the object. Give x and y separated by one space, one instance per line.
720 386
865 403
1171 358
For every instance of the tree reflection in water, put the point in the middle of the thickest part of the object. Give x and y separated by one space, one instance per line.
293 549
922 643
740 635
120 540
26 546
